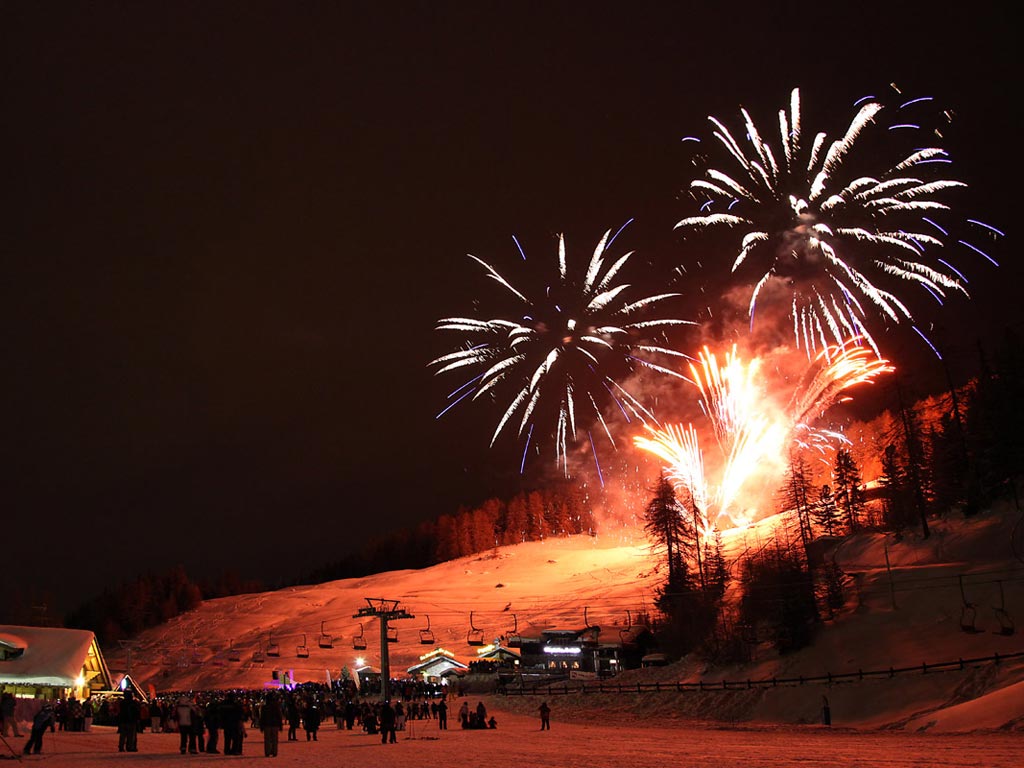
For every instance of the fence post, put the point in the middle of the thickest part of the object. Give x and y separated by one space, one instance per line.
725 685
701 684
775 683
860 673
996 658
924 668
961 662
892 672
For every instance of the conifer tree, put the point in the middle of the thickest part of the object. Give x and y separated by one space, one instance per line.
848 489
825 512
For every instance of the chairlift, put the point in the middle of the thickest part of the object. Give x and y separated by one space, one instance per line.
233 654
625 636
426 636
1006 625
325 640
392 634
514 640
273 649
968 612
474 636
302 650
359 641
257 655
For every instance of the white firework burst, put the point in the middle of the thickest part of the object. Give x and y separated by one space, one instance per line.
831 236
564 351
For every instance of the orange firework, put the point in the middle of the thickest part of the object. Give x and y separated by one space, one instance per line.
750 432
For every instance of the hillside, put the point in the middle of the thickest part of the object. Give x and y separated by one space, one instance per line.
540 585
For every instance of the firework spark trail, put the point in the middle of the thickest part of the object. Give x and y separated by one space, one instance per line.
833 371
556 346
750 432
679 448
842 235
732 399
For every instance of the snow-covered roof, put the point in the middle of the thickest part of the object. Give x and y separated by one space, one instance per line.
48 656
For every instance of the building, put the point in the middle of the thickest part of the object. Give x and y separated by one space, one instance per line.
49 663
435 665
582 653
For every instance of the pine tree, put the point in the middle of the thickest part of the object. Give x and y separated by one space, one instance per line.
795 497
896 509
665 524
848 489
825 512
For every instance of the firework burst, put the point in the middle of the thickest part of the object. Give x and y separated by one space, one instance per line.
831 236
749 431
563 350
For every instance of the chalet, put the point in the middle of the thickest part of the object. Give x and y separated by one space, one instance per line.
49 663
435 665
584 652
495 658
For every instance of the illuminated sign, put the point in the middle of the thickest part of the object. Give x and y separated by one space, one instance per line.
568 650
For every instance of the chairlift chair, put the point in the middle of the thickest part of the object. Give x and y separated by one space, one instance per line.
474 636
325 640
233 654
625 636
392 634
257 655
968 612
1006 625
359 641
514 640
302 650
426 636
273 649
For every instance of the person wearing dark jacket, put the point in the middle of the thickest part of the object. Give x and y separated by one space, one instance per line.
311 720
42 721
271 723
231 721
212 727
387 724
293 718
128 717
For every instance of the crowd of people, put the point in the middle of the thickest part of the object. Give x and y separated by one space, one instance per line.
215 722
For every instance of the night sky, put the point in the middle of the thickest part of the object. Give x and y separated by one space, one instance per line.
229 228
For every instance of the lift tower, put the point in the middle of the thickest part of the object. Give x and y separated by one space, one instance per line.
385 610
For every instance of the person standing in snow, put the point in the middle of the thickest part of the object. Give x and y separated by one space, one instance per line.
442 715
184 714
545 716
464 714
271 723
7 719
128 719
43 720
387 724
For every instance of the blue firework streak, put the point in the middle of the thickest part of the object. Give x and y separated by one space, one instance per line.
560 354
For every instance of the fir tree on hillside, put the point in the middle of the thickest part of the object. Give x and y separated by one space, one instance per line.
826 512
848 489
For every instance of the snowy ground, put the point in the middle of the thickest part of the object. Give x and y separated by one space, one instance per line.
519 742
